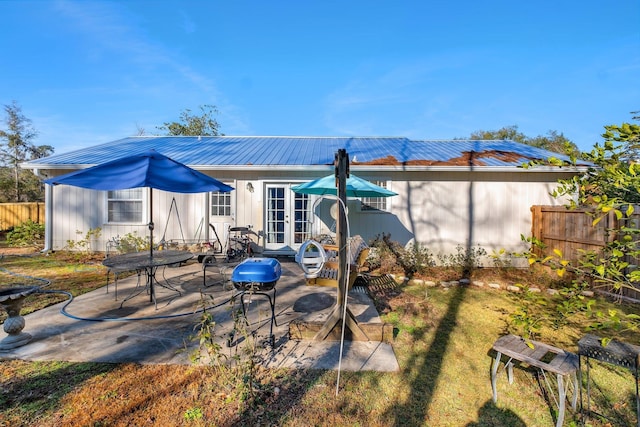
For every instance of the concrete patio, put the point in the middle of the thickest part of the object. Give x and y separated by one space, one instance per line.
96 329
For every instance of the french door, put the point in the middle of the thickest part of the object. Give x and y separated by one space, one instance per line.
287 218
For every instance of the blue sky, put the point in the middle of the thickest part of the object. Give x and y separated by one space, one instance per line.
88 72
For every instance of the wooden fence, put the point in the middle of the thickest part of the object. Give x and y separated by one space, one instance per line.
571 231
12 214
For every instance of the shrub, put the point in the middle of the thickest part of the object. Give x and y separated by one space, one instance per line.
387 255
85 243
131 242
464 260
28 233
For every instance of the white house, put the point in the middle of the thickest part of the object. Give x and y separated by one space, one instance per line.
450 193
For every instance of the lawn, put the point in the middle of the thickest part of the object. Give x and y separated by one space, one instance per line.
443 344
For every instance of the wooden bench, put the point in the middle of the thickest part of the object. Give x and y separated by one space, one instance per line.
544 357
358 251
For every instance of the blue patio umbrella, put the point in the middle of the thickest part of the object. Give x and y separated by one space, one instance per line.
150 169
356 187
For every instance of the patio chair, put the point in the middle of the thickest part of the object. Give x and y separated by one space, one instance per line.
210 262
112 248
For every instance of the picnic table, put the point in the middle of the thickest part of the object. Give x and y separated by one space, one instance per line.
544 357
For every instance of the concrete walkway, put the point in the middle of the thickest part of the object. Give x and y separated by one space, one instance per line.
96 329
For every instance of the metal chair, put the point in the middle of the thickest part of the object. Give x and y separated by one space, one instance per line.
112 248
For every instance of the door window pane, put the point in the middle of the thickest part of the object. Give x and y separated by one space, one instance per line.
221 204
275 215
302 225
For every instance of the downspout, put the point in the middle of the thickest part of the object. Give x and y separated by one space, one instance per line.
48 218
207 216
48 212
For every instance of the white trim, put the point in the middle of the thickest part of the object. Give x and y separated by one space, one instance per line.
354 168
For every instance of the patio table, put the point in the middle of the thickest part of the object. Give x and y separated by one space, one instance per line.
143 261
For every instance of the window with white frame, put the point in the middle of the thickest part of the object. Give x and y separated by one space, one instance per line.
220 204
125 205
373 204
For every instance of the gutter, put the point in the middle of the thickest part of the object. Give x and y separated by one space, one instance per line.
330 167
394 168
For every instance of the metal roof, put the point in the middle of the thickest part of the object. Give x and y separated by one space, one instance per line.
288 151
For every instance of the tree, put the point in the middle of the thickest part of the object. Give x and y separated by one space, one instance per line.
614 179
508 132
16 147
193 125
610 187
553 141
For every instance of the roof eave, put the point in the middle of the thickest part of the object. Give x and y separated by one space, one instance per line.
397 168
368 168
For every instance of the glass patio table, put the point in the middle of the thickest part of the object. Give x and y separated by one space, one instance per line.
144 261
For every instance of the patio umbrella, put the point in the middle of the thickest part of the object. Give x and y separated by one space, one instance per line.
150 169
356 187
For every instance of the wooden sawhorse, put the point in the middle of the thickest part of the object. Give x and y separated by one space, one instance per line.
545 358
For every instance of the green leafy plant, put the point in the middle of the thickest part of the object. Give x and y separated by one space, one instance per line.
205 335
502 259
241 370
131 242
84 244
28 233
193 414
610 187
464 260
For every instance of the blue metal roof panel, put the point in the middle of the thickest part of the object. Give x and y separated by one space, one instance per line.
306 151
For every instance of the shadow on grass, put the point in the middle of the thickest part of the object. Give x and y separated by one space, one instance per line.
598 401
423 369
26 399
490 415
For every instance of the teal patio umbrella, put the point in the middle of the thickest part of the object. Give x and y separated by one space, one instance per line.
356 187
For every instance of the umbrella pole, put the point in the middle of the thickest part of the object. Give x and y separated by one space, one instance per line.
151 278
342 165
151 223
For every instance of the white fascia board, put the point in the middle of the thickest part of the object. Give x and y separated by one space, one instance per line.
511 169
366 168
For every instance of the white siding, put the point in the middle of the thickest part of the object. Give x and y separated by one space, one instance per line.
452 209
77 210
440 210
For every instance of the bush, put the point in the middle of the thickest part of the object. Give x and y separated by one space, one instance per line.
387 255
84 244
28 233
464 260
131 242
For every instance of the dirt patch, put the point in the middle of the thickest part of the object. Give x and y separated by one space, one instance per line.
7 250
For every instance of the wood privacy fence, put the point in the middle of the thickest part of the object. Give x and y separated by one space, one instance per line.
572 230
12 214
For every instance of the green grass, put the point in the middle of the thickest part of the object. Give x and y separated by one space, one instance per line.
443 345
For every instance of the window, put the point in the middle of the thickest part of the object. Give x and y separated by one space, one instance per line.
220 204
375 203
125 205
